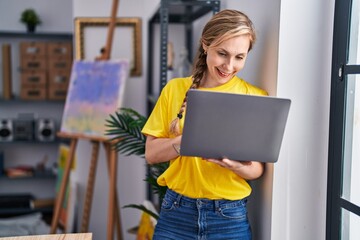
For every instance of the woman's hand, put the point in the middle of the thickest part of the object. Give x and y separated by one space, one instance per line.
159 150
248 170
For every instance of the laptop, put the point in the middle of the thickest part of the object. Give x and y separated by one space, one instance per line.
235 126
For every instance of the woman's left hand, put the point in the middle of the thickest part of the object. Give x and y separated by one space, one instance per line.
248 170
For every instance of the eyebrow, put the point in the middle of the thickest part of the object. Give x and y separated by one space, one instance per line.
240 54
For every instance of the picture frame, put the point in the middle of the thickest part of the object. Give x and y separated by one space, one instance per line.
91 36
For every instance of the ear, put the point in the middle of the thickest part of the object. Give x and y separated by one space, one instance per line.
205 47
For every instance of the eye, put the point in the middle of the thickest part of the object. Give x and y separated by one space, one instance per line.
223 54
240 57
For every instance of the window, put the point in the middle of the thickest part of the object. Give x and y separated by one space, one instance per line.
343 202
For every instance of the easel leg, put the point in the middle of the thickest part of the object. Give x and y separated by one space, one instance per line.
111 160
61 194
90 187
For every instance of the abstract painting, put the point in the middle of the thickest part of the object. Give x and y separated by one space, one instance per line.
95 91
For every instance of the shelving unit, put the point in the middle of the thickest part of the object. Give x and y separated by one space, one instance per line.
41 184
20 204
173 12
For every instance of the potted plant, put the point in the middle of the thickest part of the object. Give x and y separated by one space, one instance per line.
31 19
124 127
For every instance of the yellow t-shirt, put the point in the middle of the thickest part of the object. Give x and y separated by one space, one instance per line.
192 176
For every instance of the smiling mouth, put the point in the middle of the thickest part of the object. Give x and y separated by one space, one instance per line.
222 74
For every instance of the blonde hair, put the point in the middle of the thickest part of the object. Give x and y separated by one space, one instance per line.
222 26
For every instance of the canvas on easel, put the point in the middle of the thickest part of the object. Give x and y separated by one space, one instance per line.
96 90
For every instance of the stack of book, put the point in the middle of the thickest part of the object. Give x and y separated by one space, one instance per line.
15 204
15 201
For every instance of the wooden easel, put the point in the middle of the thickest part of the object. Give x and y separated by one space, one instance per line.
111 156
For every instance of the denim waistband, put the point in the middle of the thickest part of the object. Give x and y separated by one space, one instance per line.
204 202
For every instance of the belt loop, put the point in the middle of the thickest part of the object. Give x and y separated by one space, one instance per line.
217 205
178 199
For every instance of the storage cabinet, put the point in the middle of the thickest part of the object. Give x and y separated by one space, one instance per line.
31 108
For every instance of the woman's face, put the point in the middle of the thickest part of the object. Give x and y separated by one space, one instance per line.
225 60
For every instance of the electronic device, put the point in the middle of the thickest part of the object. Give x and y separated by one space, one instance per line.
6 130
23 129
45 129
235 126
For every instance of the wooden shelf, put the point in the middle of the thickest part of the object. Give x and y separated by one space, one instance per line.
22 101
36 175
34 141
8 212
36 35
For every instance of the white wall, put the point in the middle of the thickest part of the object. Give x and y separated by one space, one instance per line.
299 195
55 15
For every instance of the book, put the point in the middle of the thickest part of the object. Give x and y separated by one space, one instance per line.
6 69
15 201
42 203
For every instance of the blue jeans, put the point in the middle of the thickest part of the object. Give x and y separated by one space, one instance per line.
184 218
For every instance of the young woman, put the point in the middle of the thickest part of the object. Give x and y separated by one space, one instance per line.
206 198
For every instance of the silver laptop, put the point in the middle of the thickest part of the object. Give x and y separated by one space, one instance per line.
235 126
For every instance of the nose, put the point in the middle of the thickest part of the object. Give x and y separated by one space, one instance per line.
228 65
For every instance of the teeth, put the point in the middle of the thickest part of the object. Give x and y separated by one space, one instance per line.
222 73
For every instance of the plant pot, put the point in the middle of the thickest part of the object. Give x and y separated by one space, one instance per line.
31 28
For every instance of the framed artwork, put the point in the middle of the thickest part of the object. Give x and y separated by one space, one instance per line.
91 36
95 91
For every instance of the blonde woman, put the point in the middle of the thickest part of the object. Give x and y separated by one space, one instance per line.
206 198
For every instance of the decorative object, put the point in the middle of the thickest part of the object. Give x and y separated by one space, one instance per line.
125 125
126 42
95 90
31 19
170 61
184 66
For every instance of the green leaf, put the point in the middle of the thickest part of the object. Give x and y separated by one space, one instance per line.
124 129
125 125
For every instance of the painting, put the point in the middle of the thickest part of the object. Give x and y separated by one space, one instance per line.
91 36
67 210
95 91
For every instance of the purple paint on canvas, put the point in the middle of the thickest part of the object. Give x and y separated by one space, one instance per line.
101 81
95 91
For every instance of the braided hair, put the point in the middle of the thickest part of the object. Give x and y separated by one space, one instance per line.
222 26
